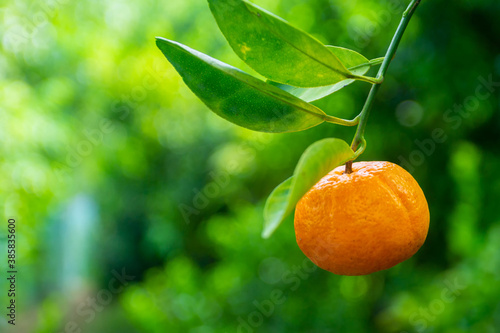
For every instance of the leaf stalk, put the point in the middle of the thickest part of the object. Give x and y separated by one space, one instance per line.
340 121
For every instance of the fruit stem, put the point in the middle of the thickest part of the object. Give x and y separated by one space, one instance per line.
391 51
361 149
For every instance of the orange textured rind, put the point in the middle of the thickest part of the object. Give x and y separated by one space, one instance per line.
363 222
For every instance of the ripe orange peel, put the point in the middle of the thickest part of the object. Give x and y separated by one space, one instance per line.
362 222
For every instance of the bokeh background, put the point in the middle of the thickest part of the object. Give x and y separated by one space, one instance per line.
110 165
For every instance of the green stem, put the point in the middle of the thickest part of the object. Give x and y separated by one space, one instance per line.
391 51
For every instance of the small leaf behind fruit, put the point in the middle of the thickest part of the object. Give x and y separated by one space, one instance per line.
274 48
319 158
355 62
237 96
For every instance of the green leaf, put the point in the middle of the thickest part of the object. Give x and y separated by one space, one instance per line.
239 97
276 49
353 60
318 159
356 63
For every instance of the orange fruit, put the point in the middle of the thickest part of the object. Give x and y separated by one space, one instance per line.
362 222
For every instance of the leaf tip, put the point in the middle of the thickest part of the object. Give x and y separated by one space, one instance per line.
266 233
160 40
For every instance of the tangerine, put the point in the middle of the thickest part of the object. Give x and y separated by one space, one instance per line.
362 222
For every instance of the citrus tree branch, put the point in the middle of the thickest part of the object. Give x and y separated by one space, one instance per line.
391 51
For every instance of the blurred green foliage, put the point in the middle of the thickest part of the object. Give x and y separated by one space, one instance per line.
102 145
